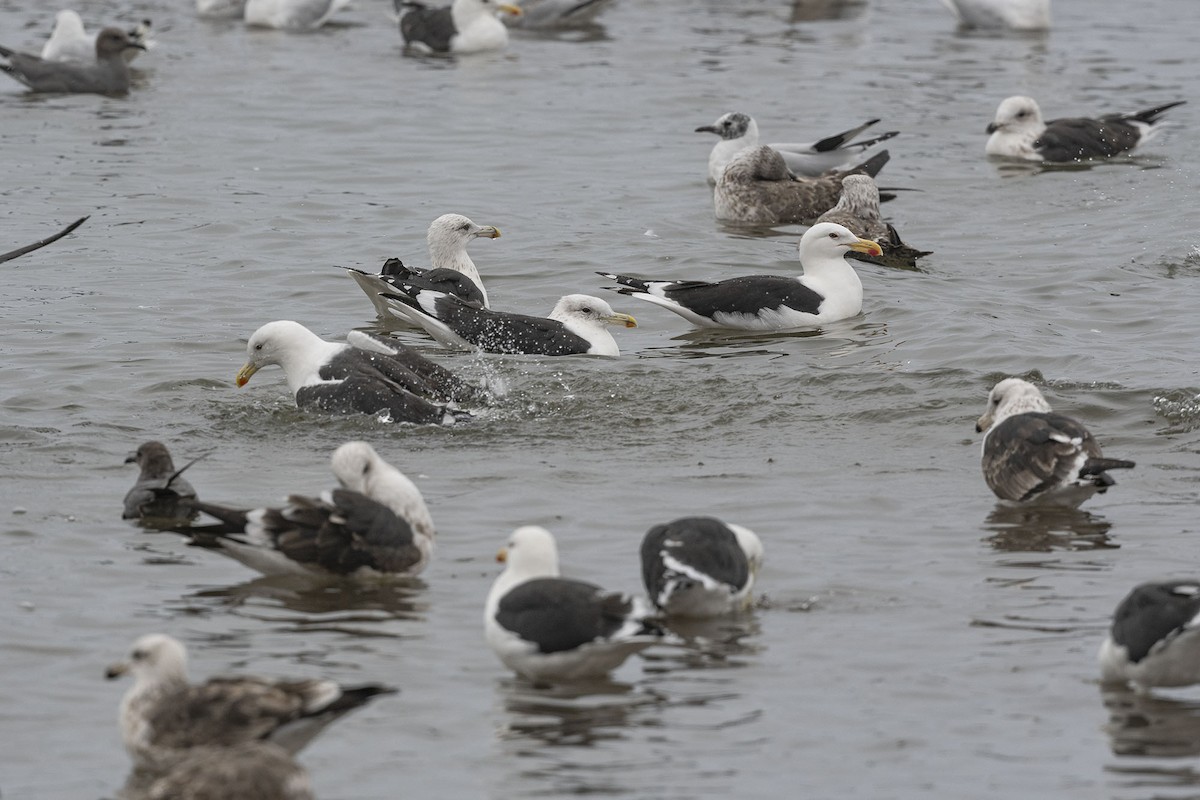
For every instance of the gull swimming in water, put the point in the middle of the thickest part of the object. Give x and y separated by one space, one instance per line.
828 290
1032 455
464 26
739 132
451 269
1018 131
292 15
757 188
108 74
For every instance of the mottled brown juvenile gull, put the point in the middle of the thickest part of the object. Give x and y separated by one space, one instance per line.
1021 15
757 188
375 526
451 268
163 716
700 567
578 324
1033 456
161 490
464 26
108 74
547 628
739 132
858 210
1018 131
827 291
549 15
292 15
69 41
366 375
1154 639
251 771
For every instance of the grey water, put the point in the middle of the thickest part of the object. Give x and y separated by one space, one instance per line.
911 640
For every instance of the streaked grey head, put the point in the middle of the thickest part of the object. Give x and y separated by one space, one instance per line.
1008 397
860 197
733 125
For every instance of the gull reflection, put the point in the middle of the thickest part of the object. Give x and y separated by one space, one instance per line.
1032 529
1141 724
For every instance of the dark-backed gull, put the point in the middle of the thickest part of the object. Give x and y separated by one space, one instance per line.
375 525
828 290
738 132
292 15
252 771
447 239
70 41
1020 15
161 490
552 15
366 375
858 210
700 566
757 188
107 74
464 26
547 628
1032 455
1018 131
577 325
162 716
1155 637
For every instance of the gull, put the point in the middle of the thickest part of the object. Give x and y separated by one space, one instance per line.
757 188
858 210
576 326
1032 455
366 375
547 628
700 567
376 524
163 716
1018 131
1154 639
738 132
447 240
827 291
556 14
464 26
161 490
109 74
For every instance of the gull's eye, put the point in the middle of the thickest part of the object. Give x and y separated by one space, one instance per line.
258 347
464 227
833 235
366 468
138 655
1022 114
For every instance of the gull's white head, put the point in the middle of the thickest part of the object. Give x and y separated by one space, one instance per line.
68 24
274 344
359 468
588 317
154 658
530 552
1008 397
1018 122
827 241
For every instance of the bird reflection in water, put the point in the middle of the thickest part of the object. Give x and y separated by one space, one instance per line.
314 604
814 10
1042 529
1141 724
576 714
